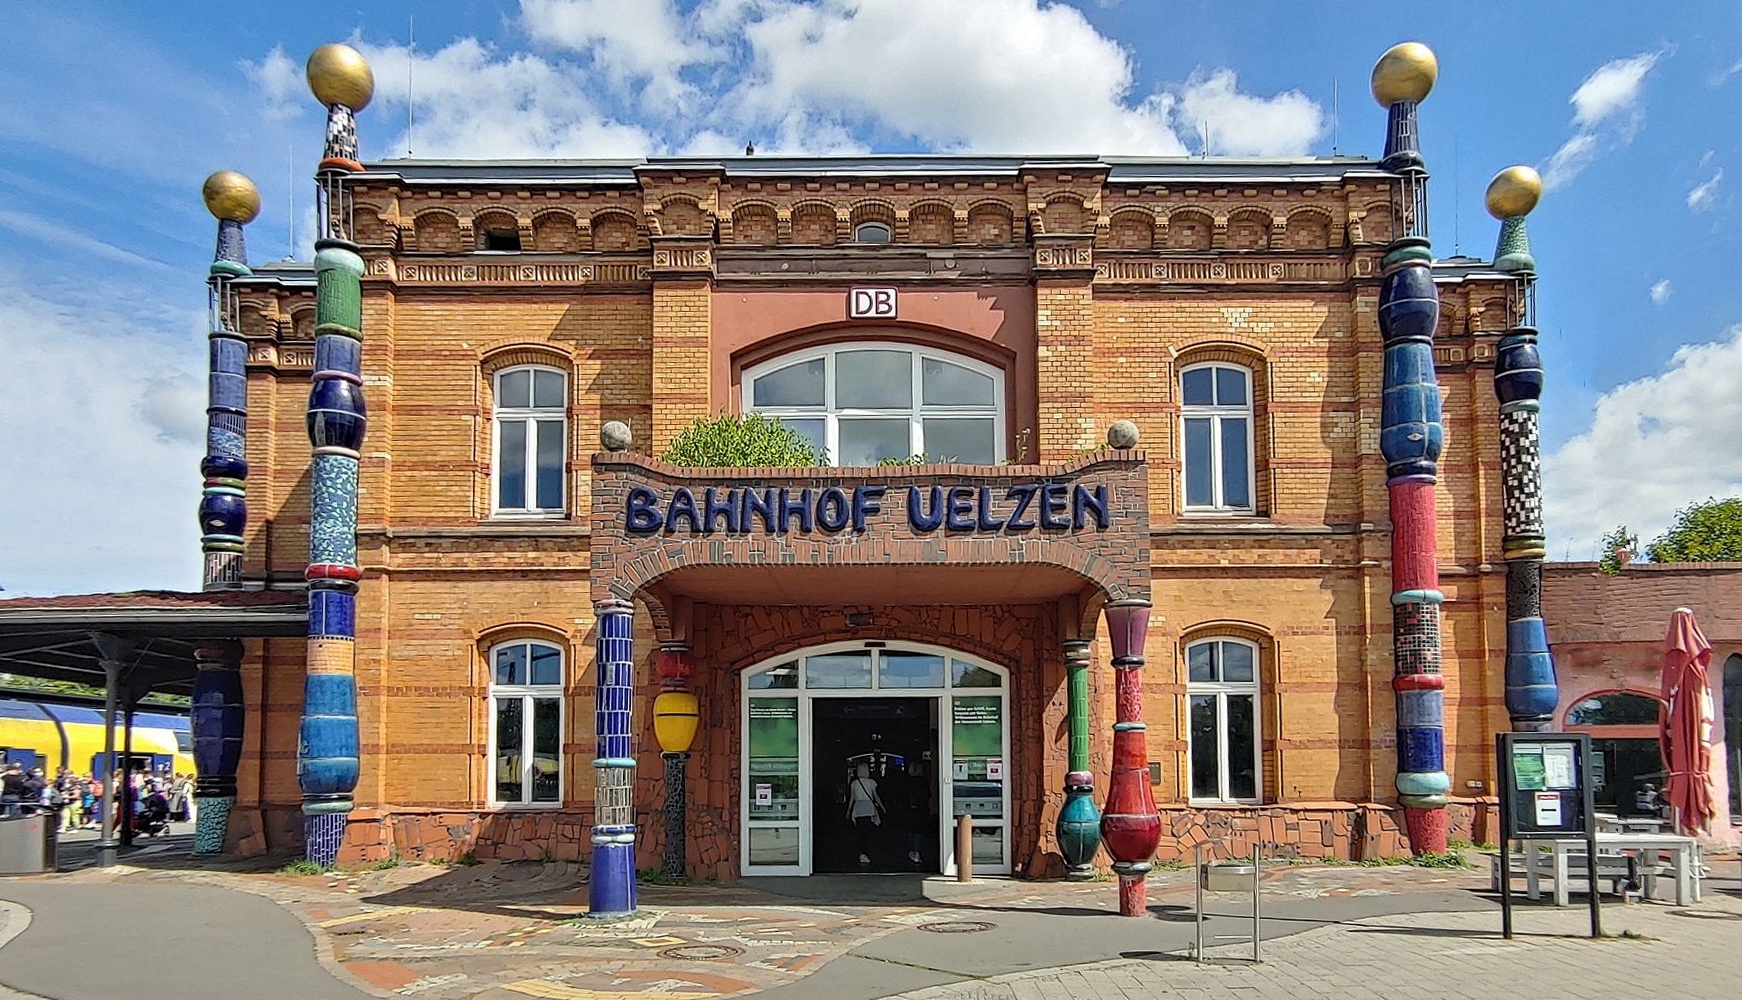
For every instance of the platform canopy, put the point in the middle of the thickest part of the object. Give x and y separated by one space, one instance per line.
60 638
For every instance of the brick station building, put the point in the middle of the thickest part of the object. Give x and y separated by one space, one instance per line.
996 315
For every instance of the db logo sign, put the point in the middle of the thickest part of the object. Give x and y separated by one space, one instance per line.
871 303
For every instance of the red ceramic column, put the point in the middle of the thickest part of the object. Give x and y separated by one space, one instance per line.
1130 825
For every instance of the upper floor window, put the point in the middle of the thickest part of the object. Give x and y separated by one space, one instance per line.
531 435
502 240
871 402
1222 688
1216 406
871 232
526 689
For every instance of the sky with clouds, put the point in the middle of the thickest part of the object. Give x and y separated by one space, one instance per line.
112 113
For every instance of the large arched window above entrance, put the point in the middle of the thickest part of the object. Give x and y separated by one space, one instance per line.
526 708
866 403
1617 708
930 725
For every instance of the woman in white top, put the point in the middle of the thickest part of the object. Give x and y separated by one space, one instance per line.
864 808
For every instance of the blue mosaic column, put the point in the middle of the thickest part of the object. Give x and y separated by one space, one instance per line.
328 752
1532 692
1410 438
611 885
216 714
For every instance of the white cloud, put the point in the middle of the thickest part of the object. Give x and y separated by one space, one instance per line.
1606 115
104 493
1655 444
58 235
1661 291
1246 125
1701 198
280 80
642 40
1612 89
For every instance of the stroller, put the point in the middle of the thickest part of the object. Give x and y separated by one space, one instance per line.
151 814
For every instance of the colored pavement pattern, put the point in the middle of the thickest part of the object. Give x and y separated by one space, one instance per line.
513 931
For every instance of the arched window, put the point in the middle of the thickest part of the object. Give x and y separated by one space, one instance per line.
1216 406
870 402
526 710
1617 708
531 441
871 232
1733 728
1222 698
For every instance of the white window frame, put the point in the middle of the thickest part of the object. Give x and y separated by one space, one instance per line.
831 414
859 232
529 415
1221 690
527 693
806 696
1216 414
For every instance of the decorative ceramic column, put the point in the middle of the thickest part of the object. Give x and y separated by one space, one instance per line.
674 725
1130 825
327 759
1532 692
216 712
1079 822
611 881
1410 438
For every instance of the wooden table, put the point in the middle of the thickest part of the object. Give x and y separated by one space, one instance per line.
1551 858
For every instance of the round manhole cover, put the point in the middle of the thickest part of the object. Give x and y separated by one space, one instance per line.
1707 914
701 952
957 926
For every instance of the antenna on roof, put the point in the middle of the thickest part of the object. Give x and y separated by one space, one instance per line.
1206 125
290 251
1335 111
1457 201
750 149
410 61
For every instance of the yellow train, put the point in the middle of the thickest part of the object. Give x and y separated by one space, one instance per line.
71 736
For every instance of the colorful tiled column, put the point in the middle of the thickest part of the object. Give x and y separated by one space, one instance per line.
216 712
1079 822
611 880
674 724
1410 437
1130 825
327 758
1532 693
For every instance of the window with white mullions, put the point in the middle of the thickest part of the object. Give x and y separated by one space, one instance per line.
870 402
1216 410
526 688
1222 704
531 442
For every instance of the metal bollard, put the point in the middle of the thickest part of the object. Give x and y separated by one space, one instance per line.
964 848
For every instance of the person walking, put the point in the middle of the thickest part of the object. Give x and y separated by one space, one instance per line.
11 788
865 809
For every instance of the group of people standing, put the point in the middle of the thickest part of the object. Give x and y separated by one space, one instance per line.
78 798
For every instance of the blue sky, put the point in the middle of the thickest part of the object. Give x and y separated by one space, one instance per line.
111 114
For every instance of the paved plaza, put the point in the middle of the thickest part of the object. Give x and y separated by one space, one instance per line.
498 931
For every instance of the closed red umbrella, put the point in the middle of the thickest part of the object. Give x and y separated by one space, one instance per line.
1685 723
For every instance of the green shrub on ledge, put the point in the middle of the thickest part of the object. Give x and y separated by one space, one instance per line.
732 441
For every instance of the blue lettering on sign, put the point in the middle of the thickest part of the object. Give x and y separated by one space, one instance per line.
961 509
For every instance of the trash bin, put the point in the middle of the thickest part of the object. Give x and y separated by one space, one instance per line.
1226 876
28 844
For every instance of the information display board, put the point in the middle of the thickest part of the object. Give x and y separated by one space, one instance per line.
1547 792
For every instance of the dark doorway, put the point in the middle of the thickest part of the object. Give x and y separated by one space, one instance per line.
895 740
1626 766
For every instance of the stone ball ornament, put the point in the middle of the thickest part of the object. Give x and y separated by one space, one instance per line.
1513 193
338 74
615 436
1406 72
231 196
1122 435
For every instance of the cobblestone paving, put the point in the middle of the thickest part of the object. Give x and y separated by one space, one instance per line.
1652 950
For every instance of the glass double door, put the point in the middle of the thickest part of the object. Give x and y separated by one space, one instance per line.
861 760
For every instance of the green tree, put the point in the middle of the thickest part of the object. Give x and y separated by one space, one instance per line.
1710 531
730 441
1617 548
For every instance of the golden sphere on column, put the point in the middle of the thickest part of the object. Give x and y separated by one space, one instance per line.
1513 192
1406 72
338 74
230 195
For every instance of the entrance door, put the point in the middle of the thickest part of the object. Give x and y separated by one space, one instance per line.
878 754
932 730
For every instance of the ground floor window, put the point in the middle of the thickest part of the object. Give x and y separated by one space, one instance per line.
1627 767
526 688
1222 696
860 757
